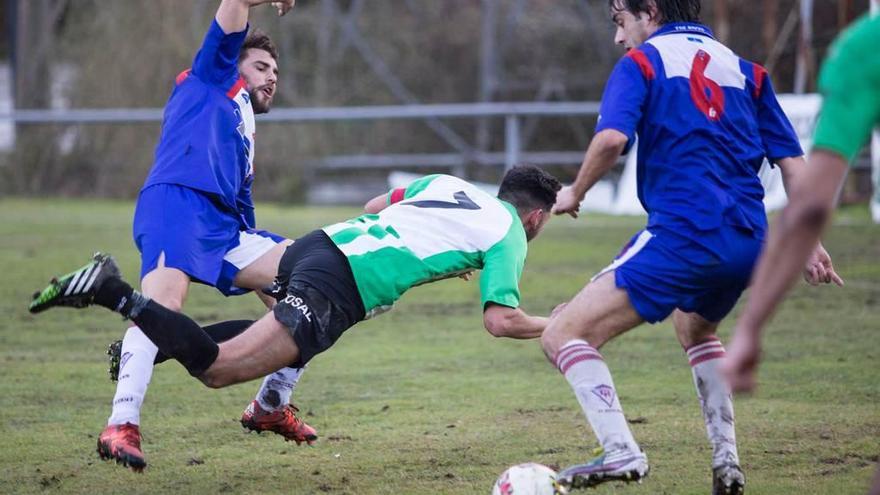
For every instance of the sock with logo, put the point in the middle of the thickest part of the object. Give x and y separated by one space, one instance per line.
116 295
589 377
715 400
135 372
175 334
277 388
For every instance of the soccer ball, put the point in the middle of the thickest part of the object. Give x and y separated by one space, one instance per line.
526 479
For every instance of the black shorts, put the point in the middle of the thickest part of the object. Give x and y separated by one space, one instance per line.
318 298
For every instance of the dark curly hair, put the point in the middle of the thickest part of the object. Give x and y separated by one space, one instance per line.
668 11
258 40
528 187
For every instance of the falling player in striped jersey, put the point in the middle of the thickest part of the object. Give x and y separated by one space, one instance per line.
706 120
194 219
437 227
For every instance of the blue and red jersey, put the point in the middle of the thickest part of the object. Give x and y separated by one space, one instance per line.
207 140
705 121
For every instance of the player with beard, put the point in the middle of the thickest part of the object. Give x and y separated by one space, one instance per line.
437 227
194 219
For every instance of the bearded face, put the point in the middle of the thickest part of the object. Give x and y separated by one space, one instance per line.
260 73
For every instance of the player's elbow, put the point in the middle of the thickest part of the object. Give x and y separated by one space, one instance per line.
496 328
498 324
611 139
375 205
807 213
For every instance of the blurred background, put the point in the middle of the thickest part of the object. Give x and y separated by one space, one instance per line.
89 55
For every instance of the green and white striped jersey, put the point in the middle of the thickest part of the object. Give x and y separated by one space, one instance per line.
437 227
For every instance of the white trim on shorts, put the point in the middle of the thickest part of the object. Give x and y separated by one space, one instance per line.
639 244
250 248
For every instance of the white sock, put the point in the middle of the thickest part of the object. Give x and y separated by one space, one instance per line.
135 370
277 388
590 379
715 401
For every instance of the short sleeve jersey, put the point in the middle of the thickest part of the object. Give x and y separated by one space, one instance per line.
207 140
850 87
705 121
437 227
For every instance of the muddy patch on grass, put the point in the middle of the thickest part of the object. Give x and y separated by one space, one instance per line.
846 462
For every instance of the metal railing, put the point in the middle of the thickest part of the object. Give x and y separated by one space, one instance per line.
512 113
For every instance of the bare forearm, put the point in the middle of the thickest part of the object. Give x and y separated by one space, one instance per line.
232 15
514 323
793 236
376 204
601 156
528 327
791 168
790 243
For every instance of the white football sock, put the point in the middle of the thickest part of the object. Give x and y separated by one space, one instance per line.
135 371
590 379
715 401
277 388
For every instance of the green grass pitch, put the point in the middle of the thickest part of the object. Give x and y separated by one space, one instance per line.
423 400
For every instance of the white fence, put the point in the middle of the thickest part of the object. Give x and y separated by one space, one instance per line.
611 197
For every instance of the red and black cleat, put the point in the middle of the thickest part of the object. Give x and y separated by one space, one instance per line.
283 422
122 443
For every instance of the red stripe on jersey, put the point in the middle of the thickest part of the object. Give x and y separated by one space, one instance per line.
397 195
238 86
180 77
642 61
760 74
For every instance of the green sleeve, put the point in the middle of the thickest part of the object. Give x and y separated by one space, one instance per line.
502 269
849 82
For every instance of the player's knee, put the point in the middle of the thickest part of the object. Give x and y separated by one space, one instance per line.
549 350
166 286
172 302
551 341
556 335
215 380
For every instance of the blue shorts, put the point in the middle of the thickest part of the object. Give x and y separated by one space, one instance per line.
703 273
197 236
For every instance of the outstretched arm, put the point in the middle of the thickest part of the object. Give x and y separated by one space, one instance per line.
232 15
818 268
504 321
792 237
601 156
376 204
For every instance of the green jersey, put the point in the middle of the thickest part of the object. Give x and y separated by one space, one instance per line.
850 85
437 227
